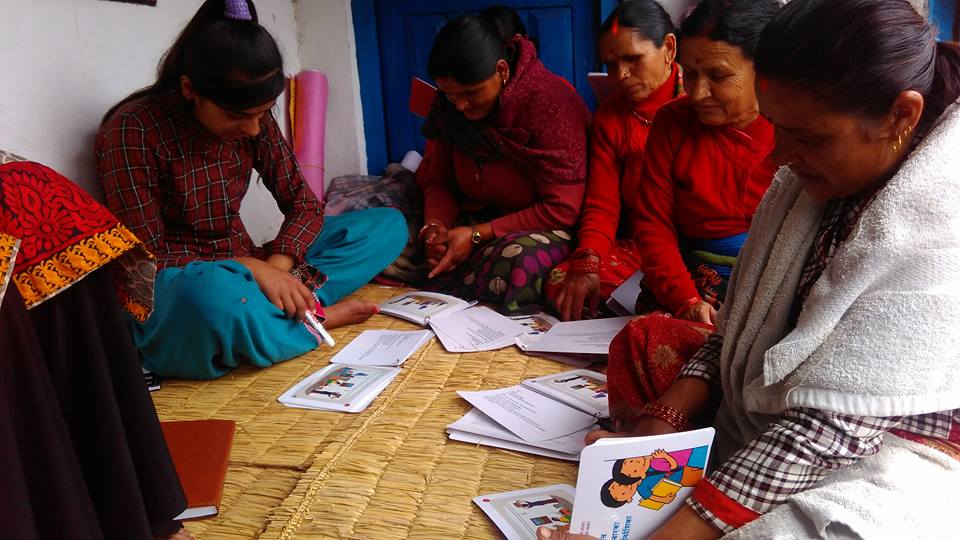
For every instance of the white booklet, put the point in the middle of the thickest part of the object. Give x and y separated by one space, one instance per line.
382 347
339 387
580 388
579 337
421 306
623 299
518 514
475 329
537 325
602 85
627 488
476 427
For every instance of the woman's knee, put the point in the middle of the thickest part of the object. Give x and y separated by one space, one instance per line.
211 290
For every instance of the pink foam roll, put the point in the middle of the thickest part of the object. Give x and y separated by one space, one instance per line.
309 126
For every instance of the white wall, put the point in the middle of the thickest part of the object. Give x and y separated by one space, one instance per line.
65 62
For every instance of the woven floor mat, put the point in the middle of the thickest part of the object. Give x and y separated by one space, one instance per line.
388 472
250 494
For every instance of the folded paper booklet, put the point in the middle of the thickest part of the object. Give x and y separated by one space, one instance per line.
478 428
518 514
535 326
627 488
475 329
340 387
623 299
545 408
590 337
421 306
382 347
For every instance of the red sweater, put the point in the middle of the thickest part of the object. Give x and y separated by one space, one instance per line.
698 181
620 129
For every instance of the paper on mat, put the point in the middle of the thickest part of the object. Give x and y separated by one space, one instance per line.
519 513
475 329
339 388
382 347
477 423
527 414
623 299
483 440
580 388
580 337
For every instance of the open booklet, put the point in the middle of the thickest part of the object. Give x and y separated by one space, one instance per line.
340 387
538 324
478 428
628 487
518 514
545 408
382 347
475 329
591 337
421 306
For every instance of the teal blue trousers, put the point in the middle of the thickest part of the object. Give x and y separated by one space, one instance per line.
209 317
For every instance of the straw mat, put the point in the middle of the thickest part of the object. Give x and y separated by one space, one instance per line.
388 472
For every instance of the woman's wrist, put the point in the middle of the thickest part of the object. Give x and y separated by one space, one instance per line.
688 304
672 416
584 261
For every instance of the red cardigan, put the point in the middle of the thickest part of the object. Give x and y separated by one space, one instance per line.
698 181
620 129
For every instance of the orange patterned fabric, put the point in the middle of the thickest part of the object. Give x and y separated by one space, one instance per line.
8 253
64 235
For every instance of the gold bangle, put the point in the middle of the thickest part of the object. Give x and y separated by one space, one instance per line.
676 419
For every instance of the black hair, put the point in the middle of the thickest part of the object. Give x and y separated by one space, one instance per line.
506 20
607 499
859 55
645 17
619 476
736 22
468 49
234 63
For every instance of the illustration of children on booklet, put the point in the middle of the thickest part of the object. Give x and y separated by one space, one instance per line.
655 478
339 378
595 387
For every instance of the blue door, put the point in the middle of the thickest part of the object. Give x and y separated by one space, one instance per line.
565 30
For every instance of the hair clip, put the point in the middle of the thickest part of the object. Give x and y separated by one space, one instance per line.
237 10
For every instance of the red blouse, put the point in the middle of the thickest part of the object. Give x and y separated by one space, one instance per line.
697 181
620 129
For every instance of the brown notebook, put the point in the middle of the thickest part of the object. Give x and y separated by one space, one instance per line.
200 451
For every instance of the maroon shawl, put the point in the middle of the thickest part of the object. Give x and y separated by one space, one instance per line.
540 123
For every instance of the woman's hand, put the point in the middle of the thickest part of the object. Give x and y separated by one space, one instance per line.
576 291
686 524
283 290
459 246
700 312
434 237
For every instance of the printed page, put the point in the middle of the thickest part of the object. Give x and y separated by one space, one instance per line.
382 347
482 425
518 514
527 414
340 388
623 299
580 337
419 306
581 388
475 329
628 487
534 326
473 438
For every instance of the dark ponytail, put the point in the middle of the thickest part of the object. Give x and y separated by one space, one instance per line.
506 20
467 49
859 55
645 17
234 63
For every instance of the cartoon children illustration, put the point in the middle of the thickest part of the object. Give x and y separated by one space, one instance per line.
642 476
531 504
334 395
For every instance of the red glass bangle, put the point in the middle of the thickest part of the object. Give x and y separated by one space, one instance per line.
668 414
687 305
584 266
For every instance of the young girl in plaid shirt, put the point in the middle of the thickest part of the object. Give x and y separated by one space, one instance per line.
175 160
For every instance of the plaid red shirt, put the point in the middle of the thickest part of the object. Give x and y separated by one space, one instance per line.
178 187
804 445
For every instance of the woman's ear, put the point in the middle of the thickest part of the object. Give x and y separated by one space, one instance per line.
906 112
186 88
669 48
503 70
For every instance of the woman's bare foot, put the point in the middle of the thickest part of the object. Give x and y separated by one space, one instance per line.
349 312
182 534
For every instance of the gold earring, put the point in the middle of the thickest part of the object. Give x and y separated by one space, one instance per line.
897 144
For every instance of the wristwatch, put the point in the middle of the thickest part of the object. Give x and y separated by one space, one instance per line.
475 236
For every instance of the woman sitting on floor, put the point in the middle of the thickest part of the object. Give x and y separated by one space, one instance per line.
638 44
503 172
175 160
837 355
82 455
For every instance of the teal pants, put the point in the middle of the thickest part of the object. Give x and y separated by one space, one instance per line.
209 317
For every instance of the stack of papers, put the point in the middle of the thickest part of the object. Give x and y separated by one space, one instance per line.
535 326
591 337
547 416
